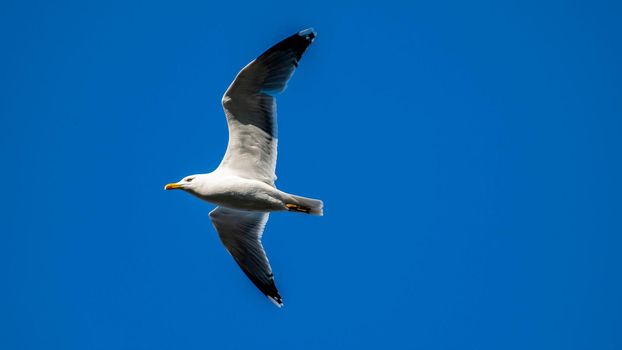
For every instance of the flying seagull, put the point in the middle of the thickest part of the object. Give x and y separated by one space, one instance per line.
243 184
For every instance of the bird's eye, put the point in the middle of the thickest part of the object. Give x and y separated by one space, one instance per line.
189 179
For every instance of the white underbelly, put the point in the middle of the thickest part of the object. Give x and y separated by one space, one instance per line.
244 194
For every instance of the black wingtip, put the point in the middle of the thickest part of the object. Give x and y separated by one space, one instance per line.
268 288
296 43
272 293
276 300
308 34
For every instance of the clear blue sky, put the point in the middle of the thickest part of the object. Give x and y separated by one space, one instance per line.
468 154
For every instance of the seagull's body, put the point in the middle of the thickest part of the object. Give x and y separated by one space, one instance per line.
243 184
241 193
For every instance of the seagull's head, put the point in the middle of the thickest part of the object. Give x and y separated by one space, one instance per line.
187 183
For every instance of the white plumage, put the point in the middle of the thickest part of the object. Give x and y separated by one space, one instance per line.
243 184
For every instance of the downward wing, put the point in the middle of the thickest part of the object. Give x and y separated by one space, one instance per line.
250 108
240 231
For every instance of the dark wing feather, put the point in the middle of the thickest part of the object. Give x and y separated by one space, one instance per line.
250 107
240 231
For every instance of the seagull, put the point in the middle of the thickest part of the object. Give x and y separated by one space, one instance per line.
243 186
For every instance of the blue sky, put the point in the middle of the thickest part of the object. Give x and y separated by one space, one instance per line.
468 154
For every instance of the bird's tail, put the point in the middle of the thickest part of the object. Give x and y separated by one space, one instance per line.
306 205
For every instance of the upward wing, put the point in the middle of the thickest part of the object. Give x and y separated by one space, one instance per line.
240 231
250 108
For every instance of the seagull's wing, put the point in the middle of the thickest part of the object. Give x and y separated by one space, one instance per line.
250 107
240 231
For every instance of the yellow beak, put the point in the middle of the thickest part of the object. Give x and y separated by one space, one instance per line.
172 186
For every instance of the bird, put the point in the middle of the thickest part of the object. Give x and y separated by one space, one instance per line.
243 185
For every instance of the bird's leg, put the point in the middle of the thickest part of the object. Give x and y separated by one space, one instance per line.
298 208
